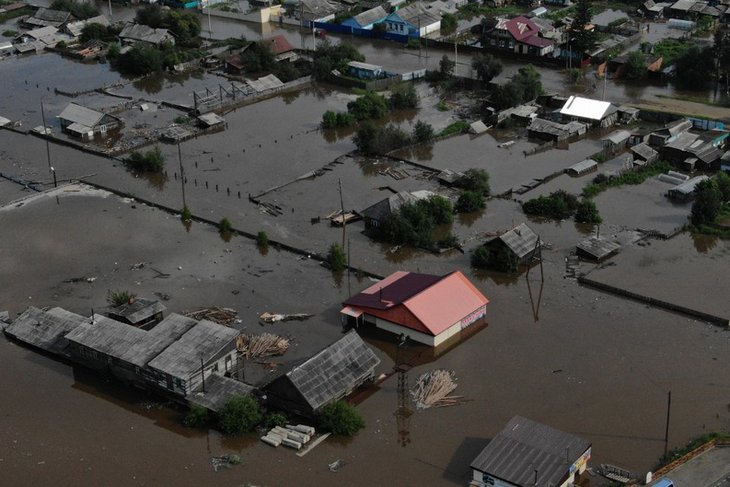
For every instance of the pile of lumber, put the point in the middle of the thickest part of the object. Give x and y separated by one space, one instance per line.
293 436
264 345
267 317
432 388
222 316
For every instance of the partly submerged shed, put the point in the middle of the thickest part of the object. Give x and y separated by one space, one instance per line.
686 190
527 453
331 374
520 243
597 248
582 167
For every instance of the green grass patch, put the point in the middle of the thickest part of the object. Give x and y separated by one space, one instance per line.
677 453
16 13
460 127
672 49
636 176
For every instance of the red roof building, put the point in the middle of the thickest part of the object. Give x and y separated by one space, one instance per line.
428 309
281 47
520 35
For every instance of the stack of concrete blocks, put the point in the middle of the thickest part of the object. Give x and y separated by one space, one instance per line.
293 436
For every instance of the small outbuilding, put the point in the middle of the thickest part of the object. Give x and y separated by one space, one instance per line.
428 309
644 153
685 191
527 454
597 248
551 131
376 214
365 70
593 112
520 243
139 312
211 120
328 376
616 141
582 167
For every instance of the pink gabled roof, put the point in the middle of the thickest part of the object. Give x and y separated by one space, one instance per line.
280 44
441 305
521 28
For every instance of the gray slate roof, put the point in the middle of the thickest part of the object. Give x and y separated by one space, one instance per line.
138 310
644 151
45 329
370 16
417 15
218 391
598 247
525 446
521 240
107 336
386 207
140 32
75 28
333 372
182 358
157 339
582 166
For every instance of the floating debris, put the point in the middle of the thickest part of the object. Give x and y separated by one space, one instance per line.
264 345
267 317
336 465
433 388
224 461
222 316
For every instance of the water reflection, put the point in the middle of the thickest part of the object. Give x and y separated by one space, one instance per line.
468 219
587 229
155 180
225 236
704 243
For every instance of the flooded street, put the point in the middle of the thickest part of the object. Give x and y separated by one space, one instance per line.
583 361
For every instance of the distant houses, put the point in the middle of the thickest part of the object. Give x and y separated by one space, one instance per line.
44 17
376 214
368 19
413 20
85 123
429 309
520 35
589 111
527 454
133 33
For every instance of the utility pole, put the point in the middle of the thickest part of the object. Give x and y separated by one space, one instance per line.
666 431
48 146
456 55
349 269
110 9
182 174
202 372
210 27
342 206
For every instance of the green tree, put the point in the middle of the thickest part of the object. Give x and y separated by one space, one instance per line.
499 259
341 419
587 212
470 201
80 10
140 60
723 184
446 67
487 67
184 25
197 417
336 258
558 205
329 119
721 51
94 31
695 67
369 106
707 203
422 132
241 414
582 39
328 57
635 66
150 161
448 23
365 138
151 15
476 180
480 257
404 97
439 209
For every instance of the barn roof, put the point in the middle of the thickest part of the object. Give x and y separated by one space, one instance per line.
526 449
335 371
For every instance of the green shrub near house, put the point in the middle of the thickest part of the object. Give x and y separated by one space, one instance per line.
240 415
341 419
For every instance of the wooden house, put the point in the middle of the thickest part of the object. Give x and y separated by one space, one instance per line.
520 243
85 123
328 376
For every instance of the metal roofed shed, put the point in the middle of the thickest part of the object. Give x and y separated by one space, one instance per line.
595 111
527 453
211 119
328 376
478 127
685 191
582 167
644 153
45 329
521 241
206 348
83 118
429 309
140 312
597 248
265 83
218 391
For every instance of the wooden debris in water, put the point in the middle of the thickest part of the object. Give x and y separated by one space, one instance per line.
264 345
432 388
267 317
222 316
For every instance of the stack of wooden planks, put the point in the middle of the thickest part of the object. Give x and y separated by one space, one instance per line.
222 316
264 345
432 388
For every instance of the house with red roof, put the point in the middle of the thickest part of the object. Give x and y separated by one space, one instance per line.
282 48
520 35
428 309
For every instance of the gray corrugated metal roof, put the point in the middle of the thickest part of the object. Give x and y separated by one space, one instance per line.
107 336
644 151
75 28
335 371
689 186
618 137
218 391
582 166
157 339
211 119
45 329
182 358
82 115
140 32
521 240
264 83
525 449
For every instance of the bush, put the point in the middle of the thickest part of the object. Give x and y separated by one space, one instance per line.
480 257
240 415
80 10
225 226
275 419
262 240
586 212
558 205
707 204
476 180
139 60
61 45
446 66
341 419
371 140
438 208
413 224
422 133
448 23
118 298
470 201
328 57
404 97
197 417
336 258
329 120
151 161
186 215
500 260
723 184
370 106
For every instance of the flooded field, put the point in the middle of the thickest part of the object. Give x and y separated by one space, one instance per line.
590 364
